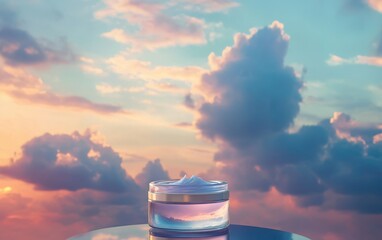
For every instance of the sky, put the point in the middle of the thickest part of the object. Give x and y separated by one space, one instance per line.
282 99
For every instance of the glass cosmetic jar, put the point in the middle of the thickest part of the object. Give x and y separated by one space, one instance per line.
188 205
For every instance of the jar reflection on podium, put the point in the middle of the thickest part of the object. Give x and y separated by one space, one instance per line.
159 234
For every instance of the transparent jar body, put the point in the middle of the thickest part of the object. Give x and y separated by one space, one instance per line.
188 216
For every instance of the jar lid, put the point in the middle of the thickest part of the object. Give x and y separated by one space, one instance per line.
188 190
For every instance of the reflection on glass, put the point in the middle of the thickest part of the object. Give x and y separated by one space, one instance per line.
157 234
204 216
143 232
238 232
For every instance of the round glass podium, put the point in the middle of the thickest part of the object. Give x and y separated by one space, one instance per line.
144 232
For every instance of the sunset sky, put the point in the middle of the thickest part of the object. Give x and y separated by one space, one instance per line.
283 99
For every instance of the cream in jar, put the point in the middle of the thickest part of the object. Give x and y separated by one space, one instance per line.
189 204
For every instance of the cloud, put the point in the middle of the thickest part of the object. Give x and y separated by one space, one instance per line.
136 69
73 102
21 85
13 78
12 204
252 92
319 165
346 128
156 29
335 60
99 191
53 162
190 32
19 47
357 4
375 60
378 48
105 88
89 66
251 101
151 172
188 101
375 4
155 24
92 70
165 87
183 125
210 5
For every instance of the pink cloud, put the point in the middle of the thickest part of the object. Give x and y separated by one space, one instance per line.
183 125
375 61
375 4
92 70
136 69
24 86
155 28
377 138
166 87
151 87
335 60
13 78
354 131
105 88
357 4
89 66
71 102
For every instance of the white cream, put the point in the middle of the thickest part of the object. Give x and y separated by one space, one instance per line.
194 180
192 185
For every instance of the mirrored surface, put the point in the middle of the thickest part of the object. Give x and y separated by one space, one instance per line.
143 232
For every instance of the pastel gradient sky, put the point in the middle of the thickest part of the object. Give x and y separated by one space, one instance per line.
282 99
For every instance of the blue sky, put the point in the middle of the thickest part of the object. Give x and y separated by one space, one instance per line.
318 29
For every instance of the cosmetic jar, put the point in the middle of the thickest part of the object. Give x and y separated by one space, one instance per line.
188 205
